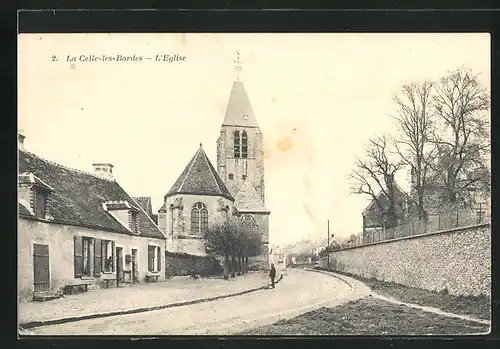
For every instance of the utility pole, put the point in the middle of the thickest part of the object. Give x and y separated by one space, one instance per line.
328 247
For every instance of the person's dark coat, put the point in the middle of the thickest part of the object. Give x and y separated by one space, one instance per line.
272 273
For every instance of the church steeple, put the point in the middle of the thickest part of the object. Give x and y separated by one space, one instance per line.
240 145
239 111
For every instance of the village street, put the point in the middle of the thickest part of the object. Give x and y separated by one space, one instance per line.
299 291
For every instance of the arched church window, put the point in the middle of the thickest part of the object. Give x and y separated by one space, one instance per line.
199 218
236 144
244 145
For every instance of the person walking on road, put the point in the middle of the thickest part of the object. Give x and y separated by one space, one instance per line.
272 274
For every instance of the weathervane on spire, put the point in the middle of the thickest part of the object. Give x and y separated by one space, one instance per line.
238 67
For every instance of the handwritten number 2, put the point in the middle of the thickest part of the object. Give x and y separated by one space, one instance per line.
54 58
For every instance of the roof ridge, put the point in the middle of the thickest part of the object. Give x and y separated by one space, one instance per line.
189 170
67 167
213 175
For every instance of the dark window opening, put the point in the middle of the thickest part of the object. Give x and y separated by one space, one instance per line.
244 145
40 204
236 144
244 177
107 256
154 258
231 176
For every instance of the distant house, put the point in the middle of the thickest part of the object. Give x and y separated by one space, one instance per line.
145 203
78 228
375 214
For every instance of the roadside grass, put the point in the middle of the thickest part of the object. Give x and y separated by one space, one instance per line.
370 316
478 307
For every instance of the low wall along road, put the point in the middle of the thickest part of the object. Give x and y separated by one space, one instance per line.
456 261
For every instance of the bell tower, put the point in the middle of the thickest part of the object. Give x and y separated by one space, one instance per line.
240 151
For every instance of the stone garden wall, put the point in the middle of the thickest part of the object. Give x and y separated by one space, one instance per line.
456 261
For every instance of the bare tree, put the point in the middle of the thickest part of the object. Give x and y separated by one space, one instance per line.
461 103
415 146
376 174
234 240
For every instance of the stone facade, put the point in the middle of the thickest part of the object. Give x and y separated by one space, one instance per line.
240 168
457 260
177 220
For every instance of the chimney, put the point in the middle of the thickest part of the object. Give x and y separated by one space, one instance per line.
103 170
390 180
20 140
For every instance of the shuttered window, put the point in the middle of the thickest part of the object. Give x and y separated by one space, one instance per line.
84 255
97 257
78 256
158 252
154 258
151 251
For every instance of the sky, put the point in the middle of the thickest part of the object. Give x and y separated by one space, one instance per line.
322 95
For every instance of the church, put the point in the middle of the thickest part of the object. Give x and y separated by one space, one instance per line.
201 195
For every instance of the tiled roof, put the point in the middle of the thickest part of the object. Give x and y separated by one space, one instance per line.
247 199
239 110
200 178
145 203
78 197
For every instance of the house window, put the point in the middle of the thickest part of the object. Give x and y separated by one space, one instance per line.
108 256
231 176
244 145
244 177
40 204
236 144
133 222
154 258
199 218
87 255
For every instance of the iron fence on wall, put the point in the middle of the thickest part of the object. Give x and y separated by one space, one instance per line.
454 218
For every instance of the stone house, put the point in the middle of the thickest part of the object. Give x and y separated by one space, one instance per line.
145 203
374 215
77 228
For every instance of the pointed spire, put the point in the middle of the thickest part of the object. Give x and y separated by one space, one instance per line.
239 111
238 67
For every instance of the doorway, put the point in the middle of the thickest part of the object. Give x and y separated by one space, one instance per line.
135 277
119 266
41 277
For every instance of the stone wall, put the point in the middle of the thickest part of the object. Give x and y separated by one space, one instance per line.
458 261
181 264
